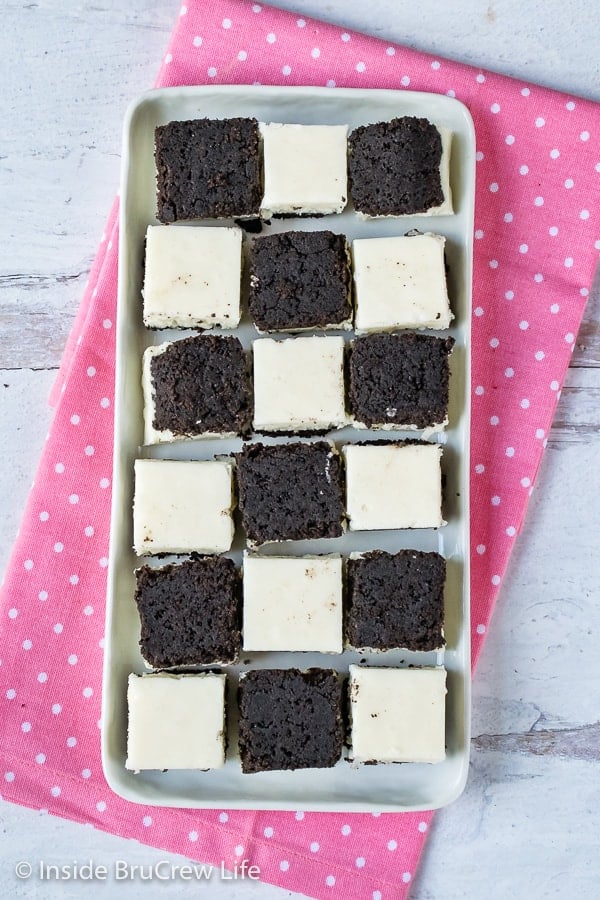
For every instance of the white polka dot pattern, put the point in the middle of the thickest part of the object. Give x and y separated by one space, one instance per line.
536 246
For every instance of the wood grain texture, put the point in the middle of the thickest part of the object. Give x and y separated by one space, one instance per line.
71 80
37 310
54 180
528 822
577 416
574 743
587 346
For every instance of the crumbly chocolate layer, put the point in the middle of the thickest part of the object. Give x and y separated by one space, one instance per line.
290 492
396 600
400 379
208 168
394 167
190 612
290 719
202 385
300 279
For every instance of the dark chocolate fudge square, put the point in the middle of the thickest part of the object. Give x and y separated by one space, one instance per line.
394 167
208 168
396 600
190 612
300 279
399 379
290 719
201 385
290 492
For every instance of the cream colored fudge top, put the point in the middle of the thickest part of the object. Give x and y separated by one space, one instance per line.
182 505
176 721
393 486
293 603
397 715
305 169
400 282
299 384
192 277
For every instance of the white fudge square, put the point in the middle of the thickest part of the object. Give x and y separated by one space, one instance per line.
305 169
397 715
192 277
182 506
176 721
299 384
397 485
293 603
400 282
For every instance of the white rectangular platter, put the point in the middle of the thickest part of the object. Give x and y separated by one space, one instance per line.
391 787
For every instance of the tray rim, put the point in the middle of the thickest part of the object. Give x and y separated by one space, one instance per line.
119 786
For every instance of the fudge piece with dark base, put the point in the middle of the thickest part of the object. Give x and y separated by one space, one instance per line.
290 492
290 719
208 169
396 600
399 380
190 612
300 279
198 386
397 168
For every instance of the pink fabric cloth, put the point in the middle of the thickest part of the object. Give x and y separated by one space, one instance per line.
536 245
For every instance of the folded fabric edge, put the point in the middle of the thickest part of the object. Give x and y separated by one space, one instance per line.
260 850
166 78
81 329
76 334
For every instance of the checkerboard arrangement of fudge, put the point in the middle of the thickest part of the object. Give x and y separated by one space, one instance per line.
204 610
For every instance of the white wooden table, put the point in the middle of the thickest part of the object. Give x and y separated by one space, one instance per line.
528 823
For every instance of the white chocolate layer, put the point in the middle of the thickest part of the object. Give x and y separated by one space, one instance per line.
305 169
176 721
299 384
192 277
400 282
398 715
393 486
182 506
293 603
436 428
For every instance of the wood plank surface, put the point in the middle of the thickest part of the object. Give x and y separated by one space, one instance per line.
527 824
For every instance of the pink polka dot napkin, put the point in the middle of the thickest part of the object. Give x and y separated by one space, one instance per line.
536 242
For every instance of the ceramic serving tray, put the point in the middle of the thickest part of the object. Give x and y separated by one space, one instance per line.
391 787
